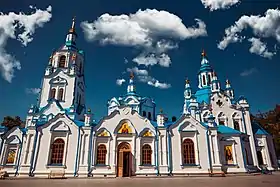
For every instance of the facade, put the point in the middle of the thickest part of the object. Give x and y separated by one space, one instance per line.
213 133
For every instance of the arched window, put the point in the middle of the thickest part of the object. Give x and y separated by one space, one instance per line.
209 79
149 115
57 151
203 80
188 152
60 94
53 91
101 154
62 61
144 113
236 125
146 155
221 123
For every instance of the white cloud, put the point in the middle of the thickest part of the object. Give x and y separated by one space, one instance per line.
119 82
248 72
262 26
20 27
260 48
143 76
152 59
150 30
34 91
158 84
219 4
140 29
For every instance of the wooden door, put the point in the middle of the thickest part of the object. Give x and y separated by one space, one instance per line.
120 163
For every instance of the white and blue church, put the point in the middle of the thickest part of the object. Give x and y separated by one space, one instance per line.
213 134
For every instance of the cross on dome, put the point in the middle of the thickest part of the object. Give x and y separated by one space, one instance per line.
72 29
203 54
131 75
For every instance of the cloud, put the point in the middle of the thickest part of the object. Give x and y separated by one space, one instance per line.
219 4
152 59
119 82
150 30
143 76
20 27
34 91
262 26
158 84
248 72
140 29
260 48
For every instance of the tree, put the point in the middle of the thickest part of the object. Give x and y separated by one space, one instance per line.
11 122
270 121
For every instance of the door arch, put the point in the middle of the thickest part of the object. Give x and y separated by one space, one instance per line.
124 160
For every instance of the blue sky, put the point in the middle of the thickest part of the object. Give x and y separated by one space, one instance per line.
253 73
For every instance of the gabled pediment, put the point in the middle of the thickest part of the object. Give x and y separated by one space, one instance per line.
220 100
53 107
60 126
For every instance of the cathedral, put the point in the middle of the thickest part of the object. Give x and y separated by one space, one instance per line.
213 134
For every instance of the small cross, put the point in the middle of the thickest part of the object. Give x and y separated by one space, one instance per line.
219 103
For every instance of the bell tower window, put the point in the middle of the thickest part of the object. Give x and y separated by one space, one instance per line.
60 94
53 92
209 79
62 61
203 80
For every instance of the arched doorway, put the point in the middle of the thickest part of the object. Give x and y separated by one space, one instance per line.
124 160
260 158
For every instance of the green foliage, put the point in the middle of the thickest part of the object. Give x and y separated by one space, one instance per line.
270 121
11 122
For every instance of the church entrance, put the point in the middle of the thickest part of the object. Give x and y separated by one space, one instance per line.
260 158
124 160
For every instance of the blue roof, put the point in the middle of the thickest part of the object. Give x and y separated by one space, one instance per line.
227 130
257 129
154 123
79 123
203 95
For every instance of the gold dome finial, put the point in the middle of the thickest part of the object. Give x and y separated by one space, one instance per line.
131 75
227 81
72 29
203 54
161 110
187 81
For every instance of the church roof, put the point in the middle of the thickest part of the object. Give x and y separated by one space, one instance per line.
222 129
203 95
257 129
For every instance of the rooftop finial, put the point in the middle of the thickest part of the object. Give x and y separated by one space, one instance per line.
161 110
227 81
73 25
187 81
203 54
131 75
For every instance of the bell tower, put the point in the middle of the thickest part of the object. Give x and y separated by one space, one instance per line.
63 82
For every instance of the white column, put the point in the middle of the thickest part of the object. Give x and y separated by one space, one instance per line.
266 152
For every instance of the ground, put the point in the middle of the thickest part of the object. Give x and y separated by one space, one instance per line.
229 181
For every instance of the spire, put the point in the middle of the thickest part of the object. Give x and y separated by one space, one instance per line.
205 72
72 35
73 29
131 87
229 90
215 84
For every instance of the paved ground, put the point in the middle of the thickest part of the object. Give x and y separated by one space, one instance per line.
229 181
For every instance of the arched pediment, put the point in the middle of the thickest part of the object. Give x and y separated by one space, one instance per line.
113 102
125 127
60 126
131 100
103 132
58 80
146 133
221 115
235 115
